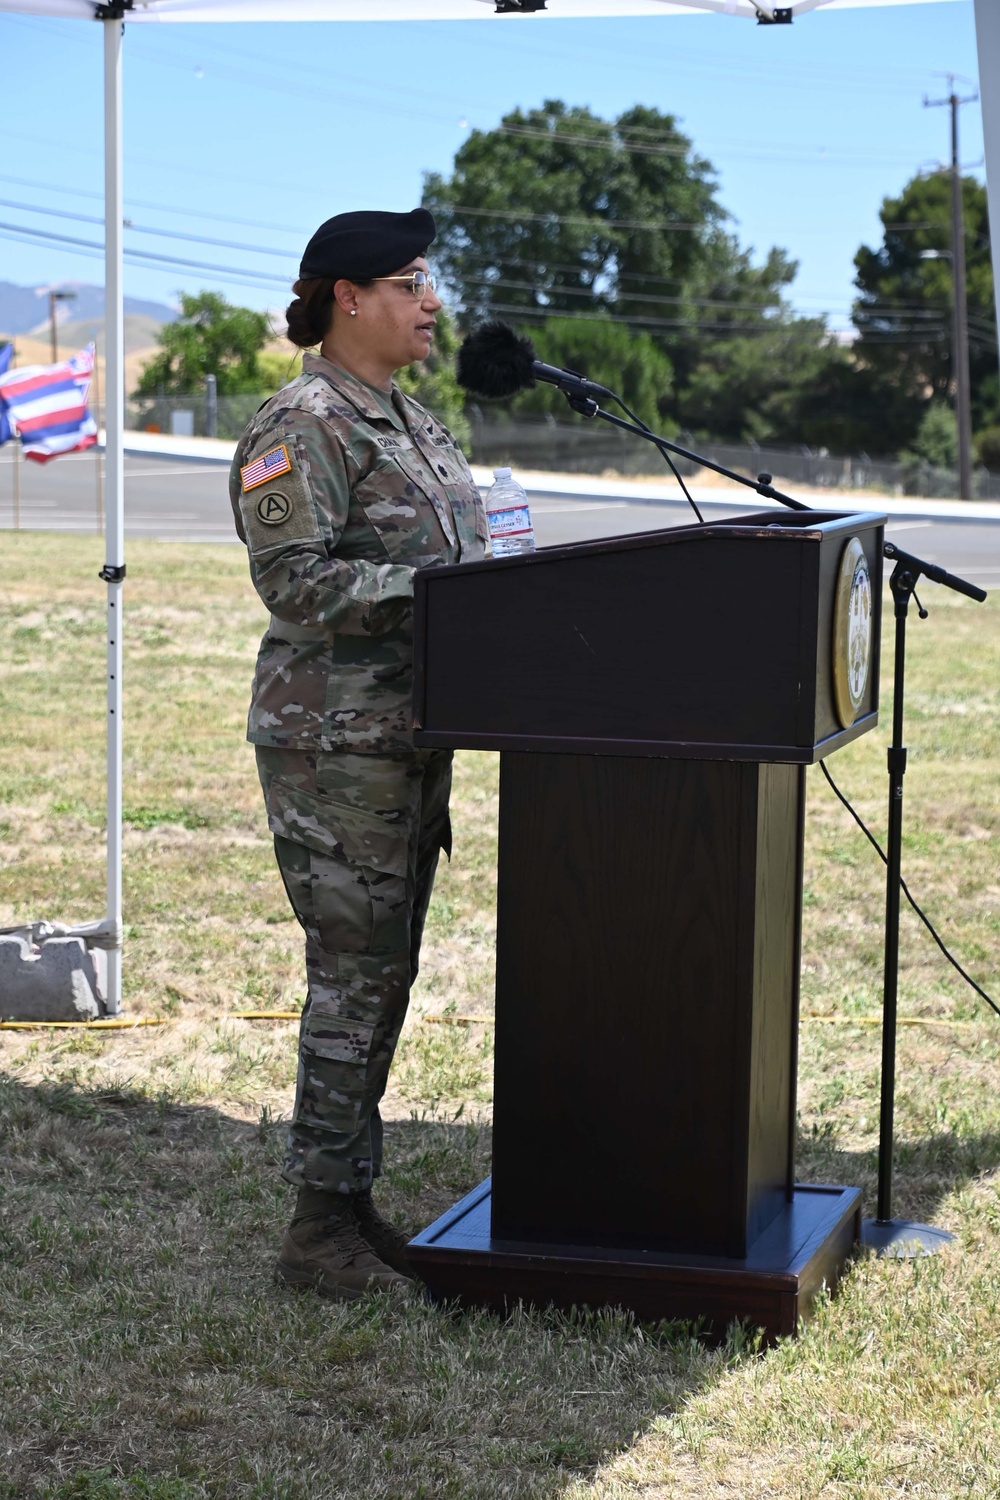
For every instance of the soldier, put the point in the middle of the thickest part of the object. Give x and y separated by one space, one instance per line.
342 487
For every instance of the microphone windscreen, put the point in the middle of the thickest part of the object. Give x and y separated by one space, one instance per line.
495 361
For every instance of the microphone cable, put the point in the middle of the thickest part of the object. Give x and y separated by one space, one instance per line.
664 453
906 891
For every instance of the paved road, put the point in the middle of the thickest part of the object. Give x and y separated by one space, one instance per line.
184 500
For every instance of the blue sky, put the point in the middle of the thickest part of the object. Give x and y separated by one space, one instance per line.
252 135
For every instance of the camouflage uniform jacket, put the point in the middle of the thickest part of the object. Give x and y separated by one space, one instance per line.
343 503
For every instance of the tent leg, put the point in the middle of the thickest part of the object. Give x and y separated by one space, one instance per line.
114 551
988 46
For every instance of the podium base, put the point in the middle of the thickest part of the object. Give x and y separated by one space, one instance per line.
772 1288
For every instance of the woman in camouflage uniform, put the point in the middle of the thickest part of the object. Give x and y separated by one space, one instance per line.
342 487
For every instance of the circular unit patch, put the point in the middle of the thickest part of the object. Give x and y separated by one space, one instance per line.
852 632
273 508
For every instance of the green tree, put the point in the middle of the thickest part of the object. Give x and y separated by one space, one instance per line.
936 441
988 448
904 309
752 386
558 216
278 367
557 210
211 337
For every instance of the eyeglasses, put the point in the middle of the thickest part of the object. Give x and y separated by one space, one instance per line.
419 282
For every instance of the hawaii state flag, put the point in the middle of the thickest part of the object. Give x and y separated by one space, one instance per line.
48 406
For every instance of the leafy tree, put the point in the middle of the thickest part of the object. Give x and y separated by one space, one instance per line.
752 386
278 367
558 210
559 219
936 441
211 337
988 448
904 311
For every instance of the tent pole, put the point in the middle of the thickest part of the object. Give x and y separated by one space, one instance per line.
988 47
98 471
113 571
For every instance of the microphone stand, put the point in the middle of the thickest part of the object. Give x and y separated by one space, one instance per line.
900 1238
897 1238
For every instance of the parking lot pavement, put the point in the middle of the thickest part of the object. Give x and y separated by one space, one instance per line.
186 499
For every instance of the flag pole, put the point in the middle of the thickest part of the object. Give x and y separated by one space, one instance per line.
17 481
113 571
15 438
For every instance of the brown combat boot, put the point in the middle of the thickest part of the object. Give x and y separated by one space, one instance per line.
388 1242
324 1251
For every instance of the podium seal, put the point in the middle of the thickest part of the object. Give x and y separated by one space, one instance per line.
852 632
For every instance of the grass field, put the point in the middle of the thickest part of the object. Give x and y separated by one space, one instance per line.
144 1351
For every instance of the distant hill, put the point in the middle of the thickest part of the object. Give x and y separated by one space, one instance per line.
25 309
140 333
140 345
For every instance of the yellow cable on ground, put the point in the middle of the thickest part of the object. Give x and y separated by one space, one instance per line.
877 1020
264 1015
106 1025
460 1020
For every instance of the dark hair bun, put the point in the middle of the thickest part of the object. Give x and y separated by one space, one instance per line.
308 317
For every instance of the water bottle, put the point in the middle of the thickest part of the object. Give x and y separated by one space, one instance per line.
509 518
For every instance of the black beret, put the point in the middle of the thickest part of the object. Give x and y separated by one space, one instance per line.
360 245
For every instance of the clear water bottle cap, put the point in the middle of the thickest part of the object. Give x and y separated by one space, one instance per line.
501 473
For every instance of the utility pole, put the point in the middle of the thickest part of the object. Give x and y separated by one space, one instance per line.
960 317
55 297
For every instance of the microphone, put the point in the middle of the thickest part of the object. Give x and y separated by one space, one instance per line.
494 361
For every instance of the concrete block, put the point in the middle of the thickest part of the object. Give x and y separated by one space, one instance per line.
57 979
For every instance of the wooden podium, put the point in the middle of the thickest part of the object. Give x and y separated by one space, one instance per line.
655 699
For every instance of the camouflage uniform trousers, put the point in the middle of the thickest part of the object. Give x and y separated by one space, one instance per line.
357 840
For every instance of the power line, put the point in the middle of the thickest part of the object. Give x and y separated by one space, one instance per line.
467 254
591 222
159 206
169 234
863 316
558 290
25 235
764 326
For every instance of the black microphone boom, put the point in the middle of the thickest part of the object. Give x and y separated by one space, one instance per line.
494 362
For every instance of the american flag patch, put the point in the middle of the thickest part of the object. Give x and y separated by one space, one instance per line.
268 466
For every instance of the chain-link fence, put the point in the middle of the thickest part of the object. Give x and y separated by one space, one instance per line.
596 447
192 416
593 447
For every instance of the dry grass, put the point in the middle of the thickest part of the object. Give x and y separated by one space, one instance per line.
143 1350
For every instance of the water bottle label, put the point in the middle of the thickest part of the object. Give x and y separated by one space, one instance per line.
509 522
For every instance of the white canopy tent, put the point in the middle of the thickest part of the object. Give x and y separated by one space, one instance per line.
114 13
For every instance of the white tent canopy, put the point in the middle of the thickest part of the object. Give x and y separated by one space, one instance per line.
135 12
404 10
